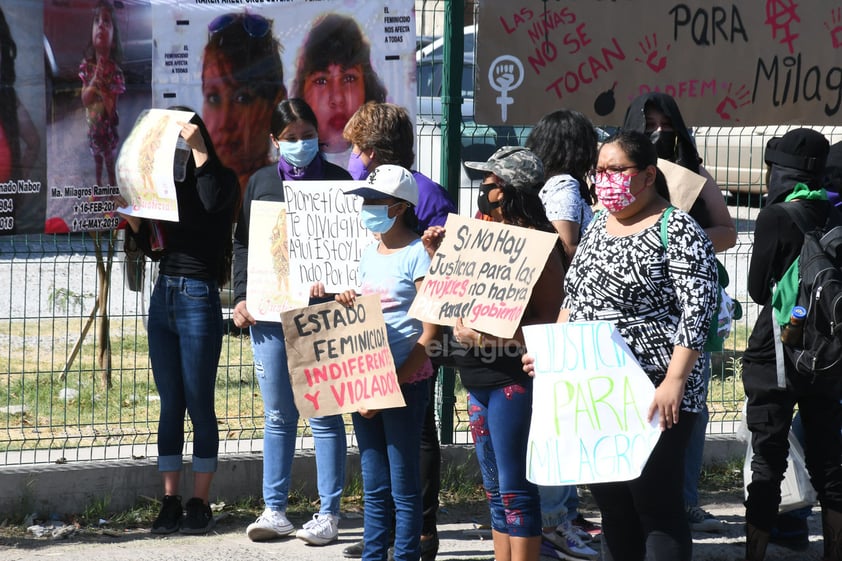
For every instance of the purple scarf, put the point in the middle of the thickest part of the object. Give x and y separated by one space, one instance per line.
313 171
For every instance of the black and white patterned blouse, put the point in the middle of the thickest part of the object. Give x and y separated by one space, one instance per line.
656 297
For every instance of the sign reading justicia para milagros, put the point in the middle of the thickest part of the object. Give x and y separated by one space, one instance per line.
589 406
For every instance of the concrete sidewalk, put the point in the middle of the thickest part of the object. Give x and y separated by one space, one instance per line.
462 532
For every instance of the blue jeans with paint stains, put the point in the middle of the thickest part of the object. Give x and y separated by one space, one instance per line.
500 419
281 427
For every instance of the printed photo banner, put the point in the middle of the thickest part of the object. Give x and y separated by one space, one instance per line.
589 406
23 142
65 180
326 236
145 165
181 72
484 273
339 358
733 64
269 291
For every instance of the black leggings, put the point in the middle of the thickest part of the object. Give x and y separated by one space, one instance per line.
644 518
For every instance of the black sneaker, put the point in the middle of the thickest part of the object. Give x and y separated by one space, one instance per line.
354 551
169 519
199 518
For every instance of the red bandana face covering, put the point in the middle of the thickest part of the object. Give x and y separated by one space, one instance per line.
613 189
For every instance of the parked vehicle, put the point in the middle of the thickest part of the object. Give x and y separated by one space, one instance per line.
734 155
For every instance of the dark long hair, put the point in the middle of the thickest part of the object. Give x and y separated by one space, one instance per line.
337 39
565 140
523 207
289 111
227 256
640 150
8 96
116 53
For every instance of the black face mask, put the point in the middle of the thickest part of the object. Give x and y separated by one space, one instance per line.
485 206
664 142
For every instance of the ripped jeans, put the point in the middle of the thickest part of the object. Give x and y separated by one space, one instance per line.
281 427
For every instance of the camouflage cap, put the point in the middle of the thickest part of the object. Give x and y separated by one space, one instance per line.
515 165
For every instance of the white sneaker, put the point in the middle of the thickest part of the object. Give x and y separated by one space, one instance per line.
321 530
269 525
568 543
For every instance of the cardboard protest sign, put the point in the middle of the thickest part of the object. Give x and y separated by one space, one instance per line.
589 406
269 291
145 165
683 185
727 64
339 358
326 236
484 273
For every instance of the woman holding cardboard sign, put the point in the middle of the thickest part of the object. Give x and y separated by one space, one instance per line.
185 321
649 269
390 440
294 132
500 394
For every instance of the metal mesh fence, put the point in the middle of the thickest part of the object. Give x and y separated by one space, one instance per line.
77 382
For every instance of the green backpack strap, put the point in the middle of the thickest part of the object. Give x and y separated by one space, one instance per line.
664 219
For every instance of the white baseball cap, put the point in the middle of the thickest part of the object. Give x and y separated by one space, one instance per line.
388 180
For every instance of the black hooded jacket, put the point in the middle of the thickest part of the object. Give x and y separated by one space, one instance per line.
685 154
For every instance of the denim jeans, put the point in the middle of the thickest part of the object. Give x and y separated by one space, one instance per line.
281 427
185 339
500 420
390 446
695 448
558 503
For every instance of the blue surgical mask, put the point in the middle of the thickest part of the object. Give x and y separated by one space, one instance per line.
357 168
376 218
301 153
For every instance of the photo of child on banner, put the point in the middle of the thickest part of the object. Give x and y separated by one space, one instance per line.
145 165
484 274
339 358
587 380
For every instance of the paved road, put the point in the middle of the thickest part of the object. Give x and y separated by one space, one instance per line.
461 540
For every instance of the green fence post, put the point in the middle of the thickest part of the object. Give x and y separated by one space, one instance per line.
451 160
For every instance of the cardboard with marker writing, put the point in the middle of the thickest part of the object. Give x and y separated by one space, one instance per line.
269 291
484 273
339 358
589 406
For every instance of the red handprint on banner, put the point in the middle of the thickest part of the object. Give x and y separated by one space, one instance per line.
834 26
732 102
654 60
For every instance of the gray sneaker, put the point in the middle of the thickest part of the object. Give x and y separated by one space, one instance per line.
566 543
702 521
321 530
269 525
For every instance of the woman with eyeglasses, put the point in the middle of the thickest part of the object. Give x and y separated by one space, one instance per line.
242 82
295 133
335 77
656 114
650 269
